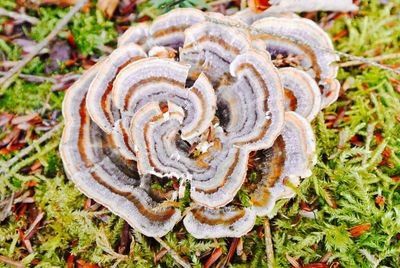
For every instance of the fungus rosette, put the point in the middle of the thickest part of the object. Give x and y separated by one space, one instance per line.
189 107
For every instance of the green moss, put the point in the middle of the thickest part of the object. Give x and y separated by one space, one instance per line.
11 51
35 67
91 31
244 198
8 4
48 18
23 97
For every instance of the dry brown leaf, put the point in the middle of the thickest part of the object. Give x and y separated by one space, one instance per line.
107 6
62 3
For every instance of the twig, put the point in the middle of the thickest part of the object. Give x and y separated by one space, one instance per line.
33 78
59 81
6 80
28 149
18 16
375 59
268 244
11 262
174 255
311 5
363 60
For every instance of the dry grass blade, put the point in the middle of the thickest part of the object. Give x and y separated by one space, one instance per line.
292 261
10 262
268 244
174 255
6 80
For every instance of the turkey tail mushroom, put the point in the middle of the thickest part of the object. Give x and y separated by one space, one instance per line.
189 101
290 158
166 30
156 79
99 94
90 162
302 94
137 34
229 221
210 48
258 101
305 39
99 101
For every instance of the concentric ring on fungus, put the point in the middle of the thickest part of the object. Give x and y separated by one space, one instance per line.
188 101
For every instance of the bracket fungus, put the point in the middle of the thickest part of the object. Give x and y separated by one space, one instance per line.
189 107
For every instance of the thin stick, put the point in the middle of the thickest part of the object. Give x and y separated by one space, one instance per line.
18 16
33 78
268 244
364 60
174 255
6 80
311 5
11 262
376 59
28 149
57 80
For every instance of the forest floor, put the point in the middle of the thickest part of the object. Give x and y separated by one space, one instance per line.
347 214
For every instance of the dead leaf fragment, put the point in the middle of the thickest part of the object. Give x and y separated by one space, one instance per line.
107 6
259 5
359 229
380 200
